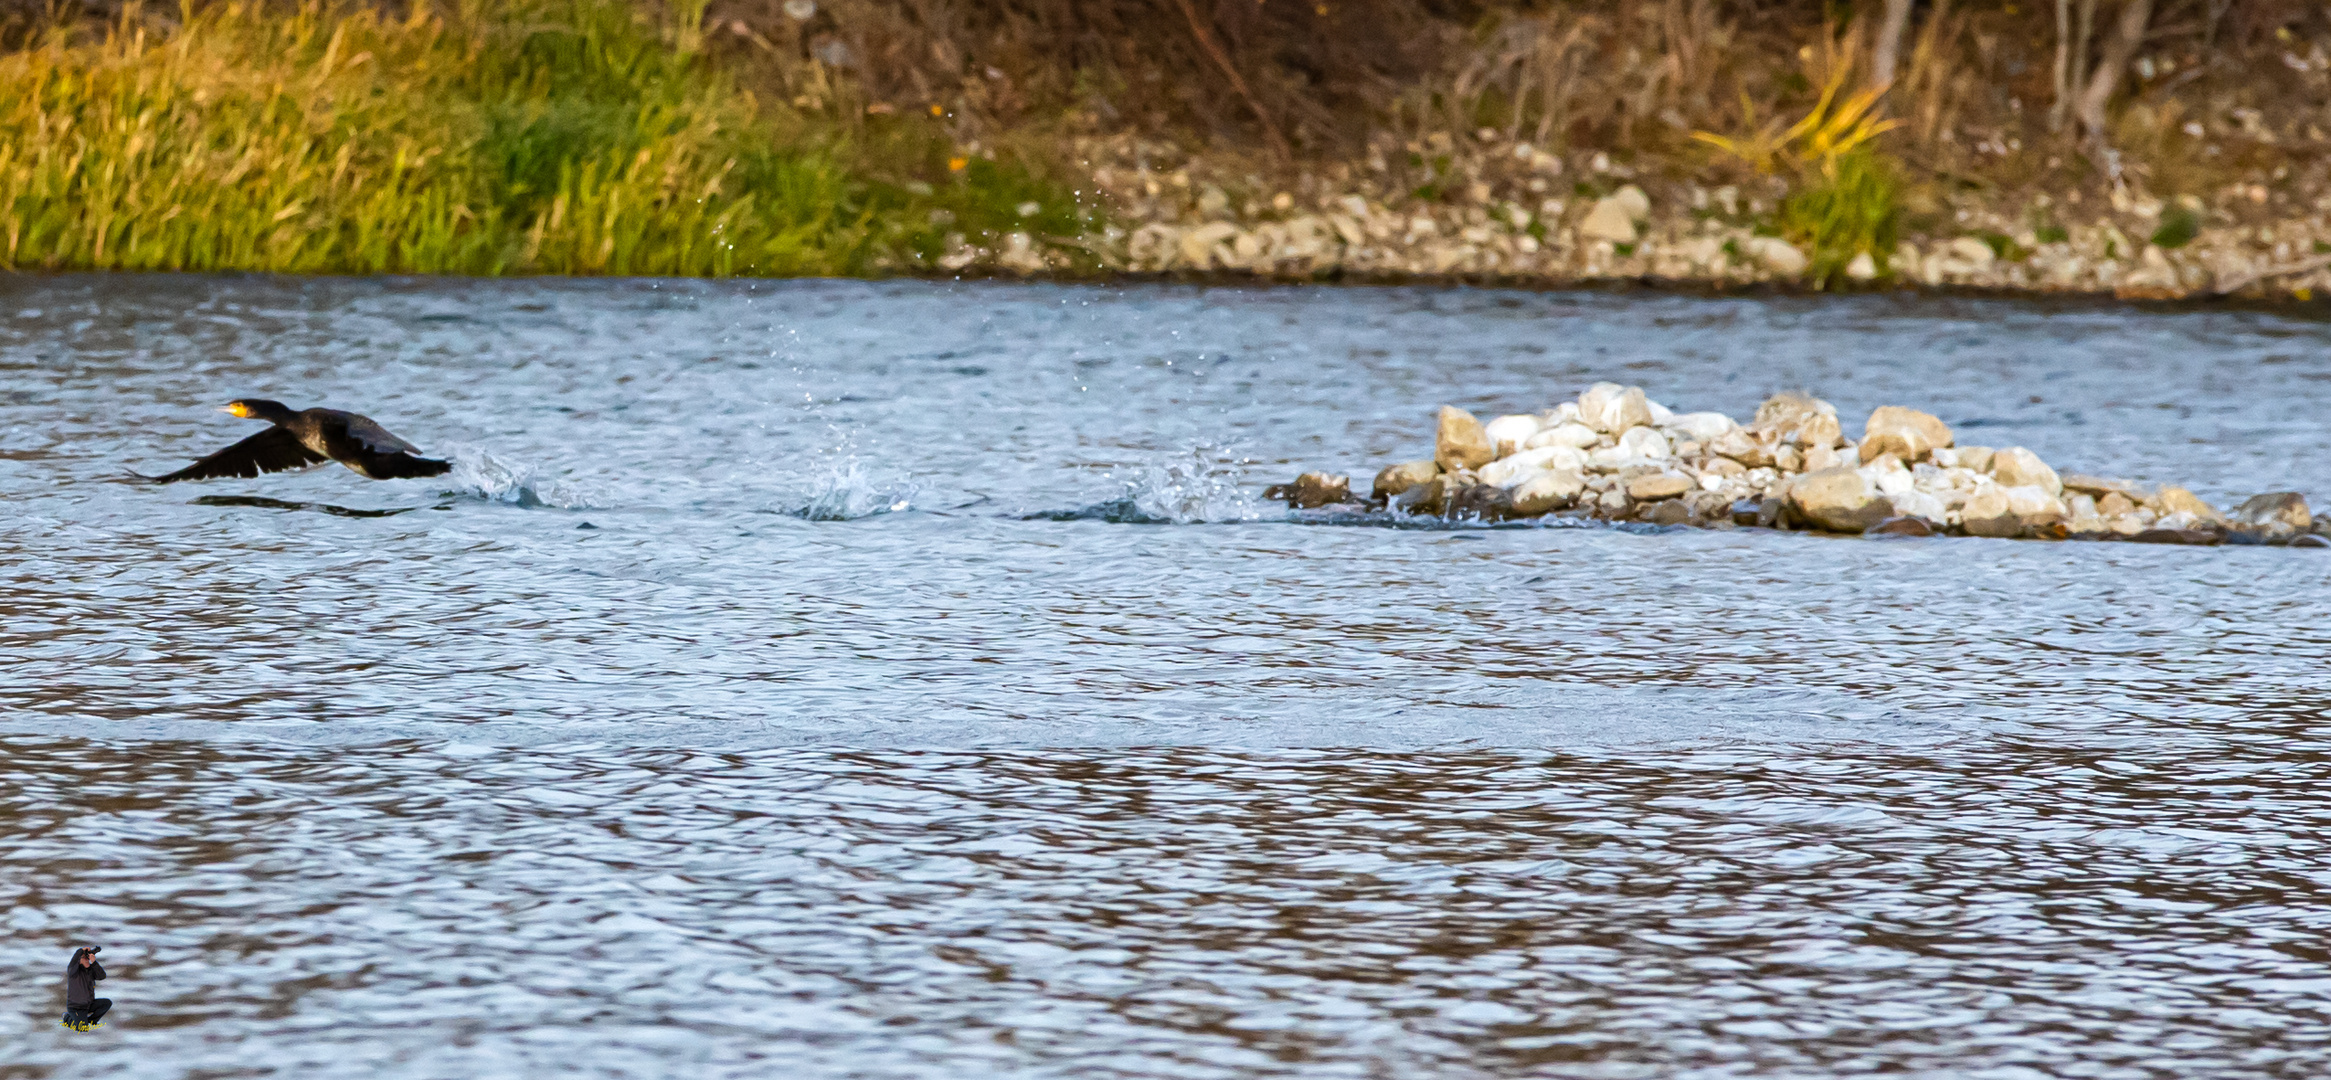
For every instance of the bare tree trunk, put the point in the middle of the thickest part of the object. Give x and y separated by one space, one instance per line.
1887 56
2063 103
2128 34
2076 76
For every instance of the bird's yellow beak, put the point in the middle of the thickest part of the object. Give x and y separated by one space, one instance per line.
238 408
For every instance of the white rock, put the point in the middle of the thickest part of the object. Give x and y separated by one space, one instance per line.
1563 413
1919 504
1508 433
1198 244
1839 500
2082 511
1611 408
2153 271
1661 415
1972 251
1558 457
1506 472
1547 491
1700 427
1862 267
1571 434
1777 255
1892 481
1644 442
1906 433
1631 199
2016 467
1608 220
2034 505
1988 514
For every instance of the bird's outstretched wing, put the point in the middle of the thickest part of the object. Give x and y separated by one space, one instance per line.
272 450
374 437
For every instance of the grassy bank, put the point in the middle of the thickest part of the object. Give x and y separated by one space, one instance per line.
2146 147
558 136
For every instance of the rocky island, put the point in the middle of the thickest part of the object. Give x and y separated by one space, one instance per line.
1615 455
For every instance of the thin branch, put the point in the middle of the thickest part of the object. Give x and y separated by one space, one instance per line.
2234 283
1237 82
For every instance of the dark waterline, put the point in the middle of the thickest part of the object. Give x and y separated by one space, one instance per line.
782 683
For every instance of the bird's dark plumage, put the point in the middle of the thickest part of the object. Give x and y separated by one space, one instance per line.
311 437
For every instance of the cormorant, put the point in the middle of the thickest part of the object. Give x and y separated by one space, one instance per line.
310 437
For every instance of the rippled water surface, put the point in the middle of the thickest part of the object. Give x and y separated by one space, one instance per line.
844 679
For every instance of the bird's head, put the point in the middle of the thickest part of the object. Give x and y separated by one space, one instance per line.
256 409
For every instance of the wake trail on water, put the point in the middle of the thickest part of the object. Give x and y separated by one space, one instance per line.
479 475
849 494
1199 487
1204 486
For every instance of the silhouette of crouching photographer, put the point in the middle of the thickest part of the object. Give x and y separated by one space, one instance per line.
83 1008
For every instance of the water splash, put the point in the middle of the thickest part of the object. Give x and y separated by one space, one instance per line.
849 494
1202 487
483 476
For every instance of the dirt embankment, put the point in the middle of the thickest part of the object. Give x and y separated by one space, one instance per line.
2144 147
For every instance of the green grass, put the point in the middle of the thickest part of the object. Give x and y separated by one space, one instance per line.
1854 209
2179 225
547 136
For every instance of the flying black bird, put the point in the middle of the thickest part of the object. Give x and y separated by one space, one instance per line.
310 437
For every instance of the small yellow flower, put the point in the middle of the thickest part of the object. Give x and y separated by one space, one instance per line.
958 164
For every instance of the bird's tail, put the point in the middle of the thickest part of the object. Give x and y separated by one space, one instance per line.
408 467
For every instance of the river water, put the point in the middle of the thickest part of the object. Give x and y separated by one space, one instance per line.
905 680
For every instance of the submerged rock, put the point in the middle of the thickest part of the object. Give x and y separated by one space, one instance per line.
1901 526
2280 513
2194 537
1667 512
1312 490
1396 479
1485 502
1429 498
